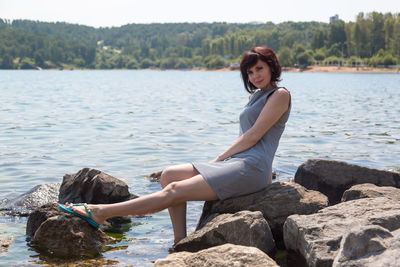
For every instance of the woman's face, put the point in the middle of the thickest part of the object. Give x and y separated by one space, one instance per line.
260 75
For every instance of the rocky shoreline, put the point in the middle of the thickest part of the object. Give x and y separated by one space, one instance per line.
334 214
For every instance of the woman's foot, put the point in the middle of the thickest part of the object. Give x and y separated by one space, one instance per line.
94 210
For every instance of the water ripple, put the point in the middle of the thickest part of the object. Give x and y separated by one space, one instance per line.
53 123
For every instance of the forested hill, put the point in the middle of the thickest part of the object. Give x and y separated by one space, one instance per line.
372 38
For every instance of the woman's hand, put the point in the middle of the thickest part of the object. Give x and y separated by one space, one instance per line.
216 159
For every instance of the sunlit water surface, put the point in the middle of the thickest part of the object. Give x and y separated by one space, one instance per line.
132 123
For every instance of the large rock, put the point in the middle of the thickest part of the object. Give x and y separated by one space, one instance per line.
67 236
244 228
370 191
276 202
40 215
332 178
93 186
24 204
316 238
369 246
224 255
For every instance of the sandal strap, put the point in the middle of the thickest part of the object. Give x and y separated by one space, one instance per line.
85 206
87 210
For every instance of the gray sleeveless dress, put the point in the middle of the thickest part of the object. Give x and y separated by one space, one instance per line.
248 171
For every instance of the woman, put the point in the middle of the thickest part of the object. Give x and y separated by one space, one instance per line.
245 167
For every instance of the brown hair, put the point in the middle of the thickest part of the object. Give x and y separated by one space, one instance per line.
251 57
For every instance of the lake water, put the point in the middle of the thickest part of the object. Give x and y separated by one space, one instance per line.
132 123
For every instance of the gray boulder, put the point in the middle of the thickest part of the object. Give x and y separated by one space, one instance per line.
244 228
93 186
370 191
316 238
66 236
276 202
24 204
220 256
369 246
332 178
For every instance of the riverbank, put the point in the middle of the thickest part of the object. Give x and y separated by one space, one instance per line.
344 69
328 69
334 69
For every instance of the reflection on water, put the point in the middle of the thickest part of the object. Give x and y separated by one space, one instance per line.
132 123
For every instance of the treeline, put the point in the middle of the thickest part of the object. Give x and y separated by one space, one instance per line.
373 39
21 49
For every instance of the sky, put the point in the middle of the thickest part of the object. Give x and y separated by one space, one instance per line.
101 13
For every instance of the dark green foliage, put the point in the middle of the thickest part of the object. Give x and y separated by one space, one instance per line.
33 44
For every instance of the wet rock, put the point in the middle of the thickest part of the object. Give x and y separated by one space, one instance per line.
332 178
224 255
370 191
244 228
155 177
316 238
276 202
369 246
67 236
5 241
40 215
24 204
93 186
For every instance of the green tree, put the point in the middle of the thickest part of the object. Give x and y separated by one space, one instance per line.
285 56
377 32
27 63
337 34
305 59
318 40
6 62
214 62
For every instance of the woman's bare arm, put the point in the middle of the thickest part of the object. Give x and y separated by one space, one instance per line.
276 105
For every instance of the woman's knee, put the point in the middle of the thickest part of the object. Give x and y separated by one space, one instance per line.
166 177
172 193
177 173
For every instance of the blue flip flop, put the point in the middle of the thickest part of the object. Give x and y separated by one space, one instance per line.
88 219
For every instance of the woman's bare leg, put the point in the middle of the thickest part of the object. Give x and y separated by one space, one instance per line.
192 189
178 212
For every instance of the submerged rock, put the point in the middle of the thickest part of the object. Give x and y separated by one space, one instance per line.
332 178
316 238
369 246
93 186
5 242
24 204
155 177
370 191
67 236
244 228
276 202
224 255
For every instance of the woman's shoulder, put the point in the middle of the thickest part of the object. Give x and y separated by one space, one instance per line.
281 92
281 96
282 89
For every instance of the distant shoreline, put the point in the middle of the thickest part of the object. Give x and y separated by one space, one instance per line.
333 69
345 69
310 69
